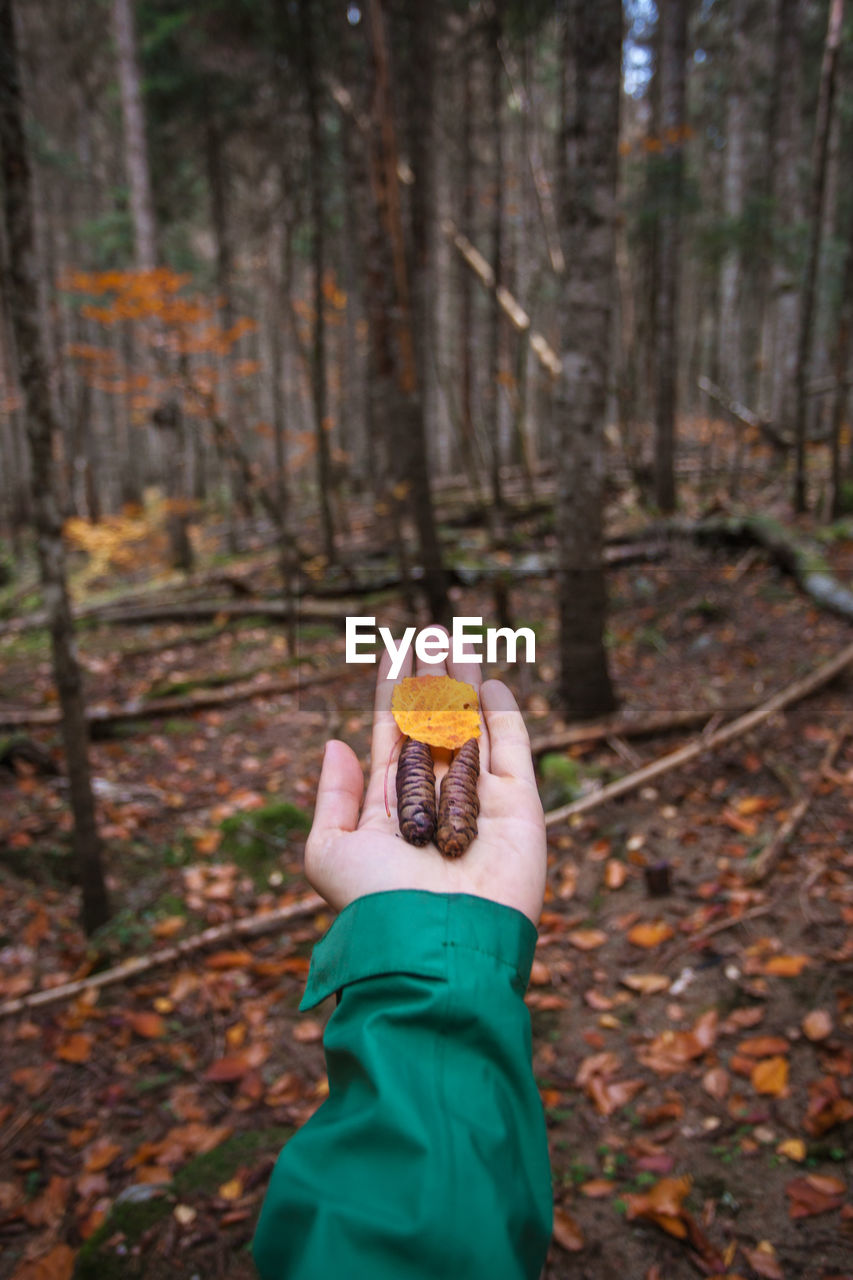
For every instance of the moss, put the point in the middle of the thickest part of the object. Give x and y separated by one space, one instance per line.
114 1253
98 1260
561 779
257 840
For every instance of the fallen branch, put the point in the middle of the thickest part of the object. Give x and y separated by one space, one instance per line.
770 856
98 716
794 692
542 349
665 722
249 927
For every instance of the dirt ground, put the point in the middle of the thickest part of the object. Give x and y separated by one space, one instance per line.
693 1050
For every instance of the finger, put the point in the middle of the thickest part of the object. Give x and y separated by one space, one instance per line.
508 739
339 793
385 731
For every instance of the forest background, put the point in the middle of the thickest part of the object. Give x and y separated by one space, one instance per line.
539 313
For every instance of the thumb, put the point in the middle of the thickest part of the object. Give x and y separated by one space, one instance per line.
339 793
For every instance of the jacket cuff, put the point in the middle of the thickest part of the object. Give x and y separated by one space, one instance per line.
413 931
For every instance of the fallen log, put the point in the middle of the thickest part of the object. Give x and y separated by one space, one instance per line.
799 689
100 716
250 927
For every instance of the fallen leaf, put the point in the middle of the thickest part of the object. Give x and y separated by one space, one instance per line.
650 933
786 966
100 1155
646 983
597 1188
763 1046
540 974
615 873
763 1260
148 1025
228 960
827 1107
586 939
770 1075
662 1204
308 1031
672 1050
76 1048
232 1189
58 1264
48 1207
233 1066
812 1195
817 1024
792 1148
567 1233
715 1082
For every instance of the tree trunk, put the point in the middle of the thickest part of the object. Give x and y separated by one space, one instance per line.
823 123
779 340
842 501
317 163
397 353
588 190
734 185
672 16
41 431
492 403
135 147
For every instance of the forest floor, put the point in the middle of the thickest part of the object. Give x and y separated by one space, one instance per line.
693 1050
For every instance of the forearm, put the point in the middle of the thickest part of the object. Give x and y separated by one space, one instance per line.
430 1153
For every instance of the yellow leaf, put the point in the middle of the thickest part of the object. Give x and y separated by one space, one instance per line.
436 709
793 1148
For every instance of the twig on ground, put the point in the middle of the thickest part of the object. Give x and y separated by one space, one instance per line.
793 692
249 927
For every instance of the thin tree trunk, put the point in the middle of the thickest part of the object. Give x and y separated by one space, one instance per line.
41 431
588 191
808 298
492 414
841 501
734 186
672 15
135 146
317 162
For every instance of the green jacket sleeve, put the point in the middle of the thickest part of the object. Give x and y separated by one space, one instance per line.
429 1157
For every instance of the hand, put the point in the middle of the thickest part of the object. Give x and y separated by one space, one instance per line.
351 853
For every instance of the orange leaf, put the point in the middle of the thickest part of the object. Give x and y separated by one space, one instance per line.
770 1076
586 939
77 1048
58 1264
763 1046
308 1031
647 984
436 709
615 873
650 933
100 1155
662 1205
229 960
567 1233
787 966
148 1025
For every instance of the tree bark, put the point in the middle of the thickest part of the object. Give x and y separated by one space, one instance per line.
823 123
588 190
734 185
317 162
41 431
135 146
672 16
492 414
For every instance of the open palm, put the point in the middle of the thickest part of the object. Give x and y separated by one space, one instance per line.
354 849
